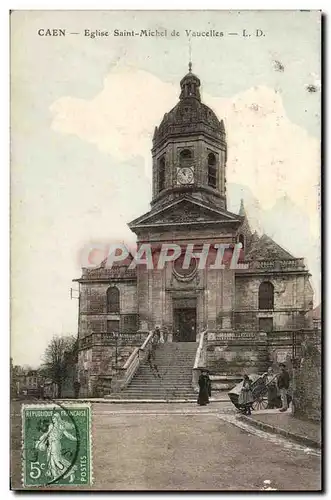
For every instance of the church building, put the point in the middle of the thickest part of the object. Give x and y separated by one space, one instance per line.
269 291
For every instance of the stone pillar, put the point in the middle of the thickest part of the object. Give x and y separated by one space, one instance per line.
228 297
143 298
212 293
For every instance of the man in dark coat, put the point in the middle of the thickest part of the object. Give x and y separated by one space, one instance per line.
157 335
151 362
76 388
204 388
283 384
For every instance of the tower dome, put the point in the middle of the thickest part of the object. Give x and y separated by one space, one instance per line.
189 115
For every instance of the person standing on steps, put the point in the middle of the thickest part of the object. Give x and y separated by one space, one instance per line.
152 363
157 335
204 388
165 334
283 384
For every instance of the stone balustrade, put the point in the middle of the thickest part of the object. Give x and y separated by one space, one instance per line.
232 335
275 264
126 372
106 338
109 272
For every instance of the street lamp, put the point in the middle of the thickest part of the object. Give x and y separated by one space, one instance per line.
116 334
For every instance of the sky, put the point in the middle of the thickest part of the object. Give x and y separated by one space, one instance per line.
83 113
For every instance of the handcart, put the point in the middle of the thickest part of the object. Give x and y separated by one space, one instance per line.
259 389
259 392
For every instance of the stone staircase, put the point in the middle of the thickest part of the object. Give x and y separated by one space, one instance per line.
173 378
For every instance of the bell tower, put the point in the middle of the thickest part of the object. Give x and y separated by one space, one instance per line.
189 150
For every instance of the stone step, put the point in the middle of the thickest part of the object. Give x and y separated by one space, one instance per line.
158 395
183 359
167 367
158 398
172 380
174 363
170 373
155 395
159 389
156 388
182 367
162 378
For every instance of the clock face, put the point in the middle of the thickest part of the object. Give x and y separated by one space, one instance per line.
185 175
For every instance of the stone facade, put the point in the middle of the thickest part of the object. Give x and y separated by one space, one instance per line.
307 381
237 355
270 292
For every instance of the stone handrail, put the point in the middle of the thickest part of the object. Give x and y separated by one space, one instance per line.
107 338
110 272
232 335
126 372
275 264
200 359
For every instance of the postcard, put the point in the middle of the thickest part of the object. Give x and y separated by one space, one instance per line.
165 250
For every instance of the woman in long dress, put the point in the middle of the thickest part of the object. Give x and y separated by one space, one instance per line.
246 397
50 441
204 388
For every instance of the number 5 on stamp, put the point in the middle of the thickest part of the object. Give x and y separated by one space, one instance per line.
57 445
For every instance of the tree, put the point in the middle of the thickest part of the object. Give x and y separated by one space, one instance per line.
59 355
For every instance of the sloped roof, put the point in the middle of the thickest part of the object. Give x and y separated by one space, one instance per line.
317 312
185 210
118 269
266 248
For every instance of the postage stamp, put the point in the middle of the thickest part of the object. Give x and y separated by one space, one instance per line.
56 445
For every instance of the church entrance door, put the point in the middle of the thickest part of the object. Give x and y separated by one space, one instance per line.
185 325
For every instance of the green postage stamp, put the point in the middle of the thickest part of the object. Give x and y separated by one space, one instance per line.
57 445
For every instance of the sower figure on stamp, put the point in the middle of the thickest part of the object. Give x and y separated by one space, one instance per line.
204 388
50 441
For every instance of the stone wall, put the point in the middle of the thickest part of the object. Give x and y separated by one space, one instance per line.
213 291
93 306
99 362
307 383
292 294
237 356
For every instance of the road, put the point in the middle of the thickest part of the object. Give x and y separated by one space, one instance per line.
186 447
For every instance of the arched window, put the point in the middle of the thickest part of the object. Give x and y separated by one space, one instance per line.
185 158
212 171
266 295
113 300
241 240
161 174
